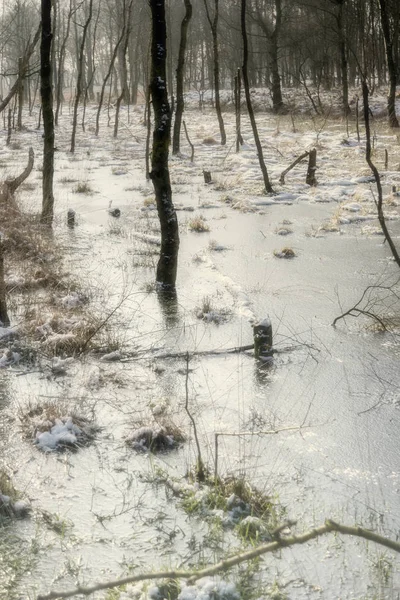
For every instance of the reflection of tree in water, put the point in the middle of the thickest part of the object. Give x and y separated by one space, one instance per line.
169 307
4 417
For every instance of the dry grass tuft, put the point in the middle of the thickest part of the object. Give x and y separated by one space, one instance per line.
198 224
82 187
285 253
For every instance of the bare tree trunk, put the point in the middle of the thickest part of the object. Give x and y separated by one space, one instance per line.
46 92
343 59
179 78
107 77
214 32
20 93
79 85
238 94
168 261
389 38
124 95
3 304
61 60
267 184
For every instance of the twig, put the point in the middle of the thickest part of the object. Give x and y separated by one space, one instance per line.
192 576
188 140
200 471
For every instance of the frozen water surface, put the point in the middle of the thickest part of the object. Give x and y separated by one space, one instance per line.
340 384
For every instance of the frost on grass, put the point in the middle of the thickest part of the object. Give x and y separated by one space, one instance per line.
156 433
210 314
207 588
11 503
158 437
52 427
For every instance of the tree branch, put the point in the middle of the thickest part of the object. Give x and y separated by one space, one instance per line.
192 576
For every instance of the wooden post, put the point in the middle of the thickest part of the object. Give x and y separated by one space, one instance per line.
262 332
207 177
312 167
71 217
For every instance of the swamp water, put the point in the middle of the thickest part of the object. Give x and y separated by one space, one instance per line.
103 511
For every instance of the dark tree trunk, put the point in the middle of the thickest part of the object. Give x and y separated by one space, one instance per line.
214 32
46 93
168 261
389 38
3 304
267 184
343 59
277 102
179 78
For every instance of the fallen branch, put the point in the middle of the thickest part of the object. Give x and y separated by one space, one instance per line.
290 167
226 564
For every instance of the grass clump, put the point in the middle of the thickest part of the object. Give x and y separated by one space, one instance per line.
160 435
236 503
11 504
207 312
198 224
53 426
82 187
285 253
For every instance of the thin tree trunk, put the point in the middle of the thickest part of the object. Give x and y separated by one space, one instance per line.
106 78
168 261
61 60
46 92
391 103
214 32
21 72
267 184
179 78
79 85
343 60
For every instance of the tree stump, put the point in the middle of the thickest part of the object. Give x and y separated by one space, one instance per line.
71 217
262 332
207 177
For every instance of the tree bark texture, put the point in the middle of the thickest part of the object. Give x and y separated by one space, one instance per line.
179 78
46 93
168 261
